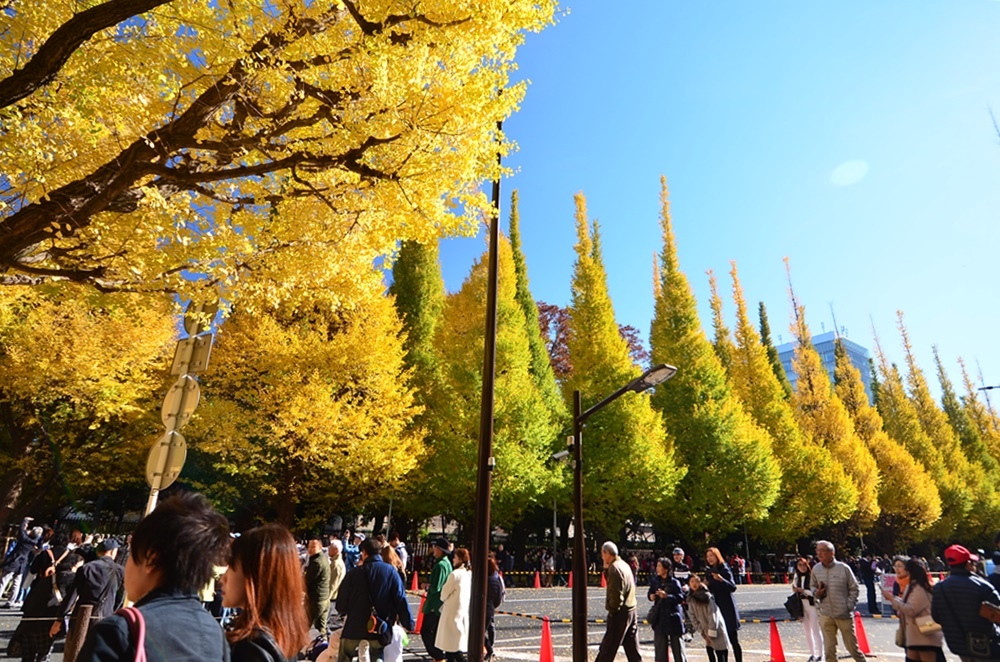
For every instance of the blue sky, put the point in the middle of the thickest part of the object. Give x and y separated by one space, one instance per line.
853 137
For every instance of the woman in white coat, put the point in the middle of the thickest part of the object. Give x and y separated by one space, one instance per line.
453 628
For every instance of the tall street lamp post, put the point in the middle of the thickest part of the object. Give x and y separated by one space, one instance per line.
652 377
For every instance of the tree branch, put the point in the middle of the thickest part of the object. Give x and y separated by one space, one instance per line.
62 43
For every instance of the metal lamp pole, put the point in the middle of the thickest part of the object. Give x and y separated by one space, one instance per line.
652 377
484 476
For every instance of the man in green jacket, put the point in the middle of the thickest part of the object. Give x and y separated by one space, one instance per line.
620 602
318 585
432 605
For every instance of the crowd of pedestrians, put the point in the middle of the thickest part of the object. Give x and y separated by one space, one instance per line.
183 572
955 611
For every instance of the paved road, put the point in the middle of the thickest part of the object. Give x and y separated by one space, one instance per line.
518 638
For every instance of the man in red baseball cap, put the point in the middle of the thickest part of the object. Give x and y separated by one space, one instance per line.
955 605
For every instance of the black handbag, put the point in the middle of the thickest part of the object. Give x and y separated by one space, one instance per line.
794 606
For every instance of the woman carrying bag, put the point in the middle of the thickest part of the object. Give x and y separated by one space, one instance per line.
810 617
666 616
722 586
921 636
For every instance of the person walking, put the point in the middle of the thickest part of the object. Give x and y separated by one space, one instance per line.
456 594
318 586
432 603
836 591
912 607
955 605
810 617
869 575
337 572
16 562
372 589
495 594
54 570
264 582
707 620
722 585
620 602
666 616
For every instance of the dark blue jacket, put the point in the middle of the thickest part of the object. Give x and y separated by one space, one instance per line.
178 629
17 561
666 615
387 594
722 590
495 594
955 605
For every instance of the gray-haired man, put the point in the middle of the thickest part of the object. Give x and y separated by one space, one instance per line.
836 591
620 603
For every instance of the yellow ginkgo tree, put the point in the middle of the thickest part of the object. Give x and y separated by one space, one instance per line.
181 144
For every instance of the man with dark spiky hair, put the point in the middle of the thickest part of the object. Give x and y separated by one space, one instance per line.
174 552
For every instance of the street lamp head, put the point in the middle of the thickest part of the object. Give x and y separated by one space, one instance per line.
652 377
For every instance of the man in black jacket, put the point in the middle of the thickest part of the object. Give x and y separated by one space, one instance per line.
955 605
376 584
28 542
98 583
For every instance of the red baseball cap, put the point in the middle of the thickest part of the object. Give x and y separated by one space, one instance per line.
958 555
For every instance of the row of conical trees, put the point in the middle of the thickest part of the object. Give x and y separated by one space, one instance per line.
726 445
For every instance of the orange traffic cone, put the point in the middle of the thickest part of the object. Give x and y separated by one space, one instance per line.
538 580
777 650
571 580
420 615
749 580
859 628
786 577
604 581
415 586
767 578
546 653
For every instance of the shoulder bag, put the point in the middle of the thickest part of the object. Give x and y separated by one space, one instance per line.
376 625
793 604
136 631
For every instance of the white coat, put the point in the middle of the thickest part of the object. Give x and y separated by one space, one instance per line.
453 628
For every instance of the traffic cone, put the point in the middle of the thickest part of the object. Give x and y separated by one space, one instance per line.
786 577
571 579
420 615
749 579
546 653
415 586
604 581
767 578
777 650
859 628
538 579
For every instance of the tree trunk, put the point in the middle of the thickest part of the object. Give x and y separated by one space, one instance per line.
14 440
285 508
